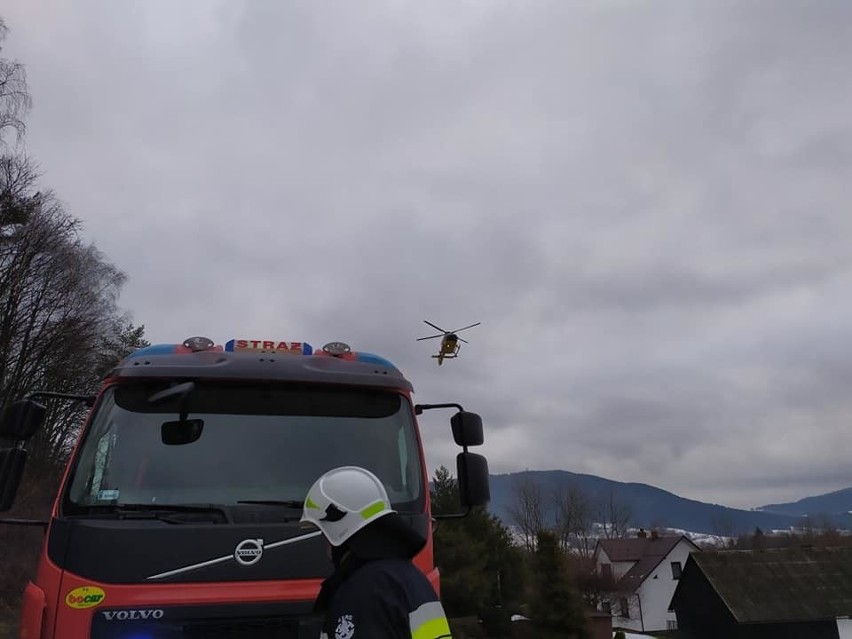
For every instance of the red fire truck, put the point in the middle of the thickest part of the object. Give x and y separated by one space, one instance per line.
178 515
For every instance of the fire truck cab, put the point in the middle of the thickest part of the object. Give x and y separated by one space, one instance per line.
178 514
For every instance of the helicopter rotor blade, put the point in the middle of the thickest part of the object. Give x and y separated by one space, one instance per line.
463 340
437 328
420 339
466 327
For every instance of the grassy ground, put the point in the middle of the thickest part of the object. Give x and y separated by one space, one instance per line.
8 629
466 628
470 628
8 621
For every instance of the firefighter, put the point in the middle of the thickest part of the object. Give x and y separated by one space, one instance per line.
375 591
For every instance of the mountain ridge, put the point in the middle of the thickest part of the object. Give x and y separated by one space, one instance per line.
652 506
836 503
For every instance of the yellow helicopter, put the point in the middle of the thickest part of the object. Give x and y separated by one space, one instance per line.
449 341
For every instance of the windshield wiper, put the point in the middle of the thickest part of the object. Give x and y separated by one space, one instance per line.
187 508
161 511
287 503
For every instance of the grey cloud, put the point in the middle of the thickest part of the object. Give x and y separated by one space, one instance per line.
643 204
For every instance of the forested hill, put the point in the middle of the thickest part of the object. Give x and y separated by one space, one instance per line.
648 506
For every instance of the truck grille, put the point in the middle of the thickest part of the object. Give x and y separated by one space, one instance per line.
206 622
242 629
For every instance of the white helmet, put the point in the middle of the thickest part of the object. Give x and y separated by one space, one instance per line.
343 501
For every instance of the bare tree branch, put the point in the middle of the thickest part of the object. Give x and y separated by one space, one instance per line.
573 519
15 100
528 510
614 515
60 326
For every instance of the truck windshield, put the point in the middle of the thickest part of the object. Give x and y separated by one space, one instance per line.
258 443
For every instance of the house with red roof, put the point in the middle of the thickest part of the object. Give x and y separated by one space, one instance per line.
645 571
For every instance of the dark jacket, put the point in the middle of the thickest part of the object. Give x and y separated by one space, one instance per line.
376 592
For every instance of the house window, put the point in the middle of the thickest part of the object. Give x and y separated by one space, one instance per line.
671 625
606 571
625 608
676 570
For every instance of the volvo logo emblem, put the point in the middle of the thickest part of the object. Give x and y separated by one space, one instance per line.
249 551
132 615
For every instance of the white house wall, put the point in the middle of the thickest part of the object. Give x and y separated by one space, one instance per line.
649 606
658 588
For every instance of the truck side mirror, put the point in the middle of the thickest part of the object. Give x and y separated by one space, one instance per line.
11 471
467 429
21 419
474 487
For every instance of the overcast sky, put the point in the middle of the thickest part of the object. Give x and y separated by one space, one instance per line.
646 204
